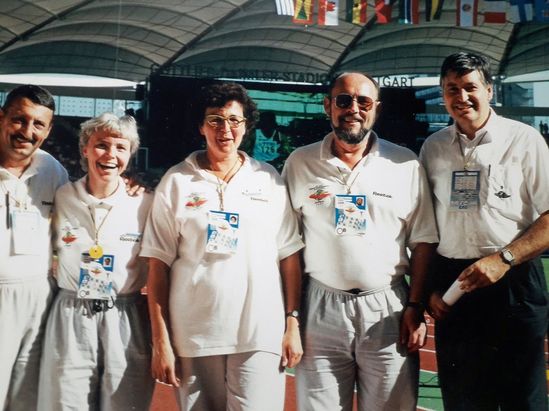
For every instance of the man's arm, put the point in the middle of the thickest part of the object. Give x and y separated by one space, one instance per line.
492 268
290 268
163 364
413 330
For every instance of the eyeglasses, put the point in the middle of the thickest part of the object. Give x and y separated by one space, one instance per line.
346 100
217 121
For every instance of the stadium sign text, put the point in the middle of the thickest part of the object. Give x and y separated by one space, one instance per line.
198 71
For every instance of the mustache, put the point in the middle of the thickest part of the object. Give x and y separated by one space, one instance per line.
350 118
20 136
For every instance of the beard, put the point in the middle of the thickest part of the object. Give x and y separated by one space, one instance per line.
348 136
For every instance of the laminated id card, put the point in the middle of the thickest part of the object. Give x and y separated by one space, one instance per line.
25 225
95 277
465 191
350 214
222 232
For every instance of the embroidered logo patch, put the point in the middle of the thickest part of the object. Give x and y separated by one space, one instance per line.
319 193
69 235
502 194
195 201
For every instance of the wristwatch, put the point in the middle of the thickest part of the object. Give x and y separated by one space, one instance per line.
507 256
293 313
416 306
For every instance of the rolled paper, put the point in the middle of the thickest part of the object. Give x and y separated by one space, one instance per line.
453 293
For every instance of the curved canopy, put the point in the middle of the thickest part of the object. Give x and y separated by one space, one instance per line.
243 38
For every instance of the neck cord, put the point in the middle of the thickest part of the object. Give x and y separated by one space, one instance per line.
8 195
467 158
18 203
221 182
344 180
96 228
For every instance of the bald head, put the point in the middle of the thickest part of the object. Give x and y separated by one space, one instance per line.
355 76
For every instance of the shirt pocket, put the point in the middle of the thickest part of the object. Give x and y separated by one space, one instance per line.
504 184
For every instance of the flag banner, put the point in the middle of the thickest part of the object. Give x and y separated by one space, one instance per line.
384 9
467 11
356 11
521 10
408 12
303 12
542 11
328 11
495 11
285 7
433 9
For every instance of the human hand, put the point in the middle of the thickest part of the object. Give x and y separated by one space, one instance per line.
292 349
438 309
163 364
483 272
413 330
133 187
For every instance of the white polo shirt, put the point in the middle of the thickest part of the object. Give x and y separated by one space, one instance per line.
513 161
399 212
223 304
120 234
36 187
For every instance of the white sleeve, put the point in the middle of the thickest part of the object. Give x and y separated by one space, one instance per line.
421 226
161 236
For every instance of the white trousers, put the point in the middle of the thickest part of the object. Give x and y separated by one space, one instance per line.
96 360
247 381
23 313
352 341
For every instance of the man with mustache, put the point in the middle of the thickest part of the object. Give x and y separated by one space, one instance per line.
363 203
491 195
28 180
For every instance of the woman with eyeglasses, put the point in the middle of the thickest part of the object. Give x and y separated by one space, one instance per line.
97 340
223 246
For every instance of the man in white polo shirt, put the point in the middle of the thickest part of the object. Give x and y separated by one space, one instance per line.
491 195
28 180
363 203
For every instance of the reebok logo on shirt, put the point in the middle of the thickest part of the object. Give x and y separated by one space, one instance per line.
382 194
135 238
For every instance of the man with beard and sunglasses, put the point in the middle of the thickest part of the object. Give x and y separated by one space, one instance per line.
363 203
28 180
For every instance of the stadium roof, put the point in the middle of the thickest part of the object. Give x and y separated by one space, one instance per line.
237 38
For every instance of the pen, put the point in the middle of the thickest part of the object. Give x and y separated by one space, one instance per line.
8 210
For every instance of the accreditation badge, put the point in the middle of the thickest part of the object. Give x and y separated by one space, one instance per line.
222 236
465 194
350 214
25 231
95 277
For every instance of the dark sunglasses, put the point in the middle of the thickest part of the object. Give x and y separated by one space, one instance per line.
346 100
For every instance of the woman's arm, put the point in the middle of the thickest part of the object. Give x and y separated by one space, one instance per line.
290 268
163 366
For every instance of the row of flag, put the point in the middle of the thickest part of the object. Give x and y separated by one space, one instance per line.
467 11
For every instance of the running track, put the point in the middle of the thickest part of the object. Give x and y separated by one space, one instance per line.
164 397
